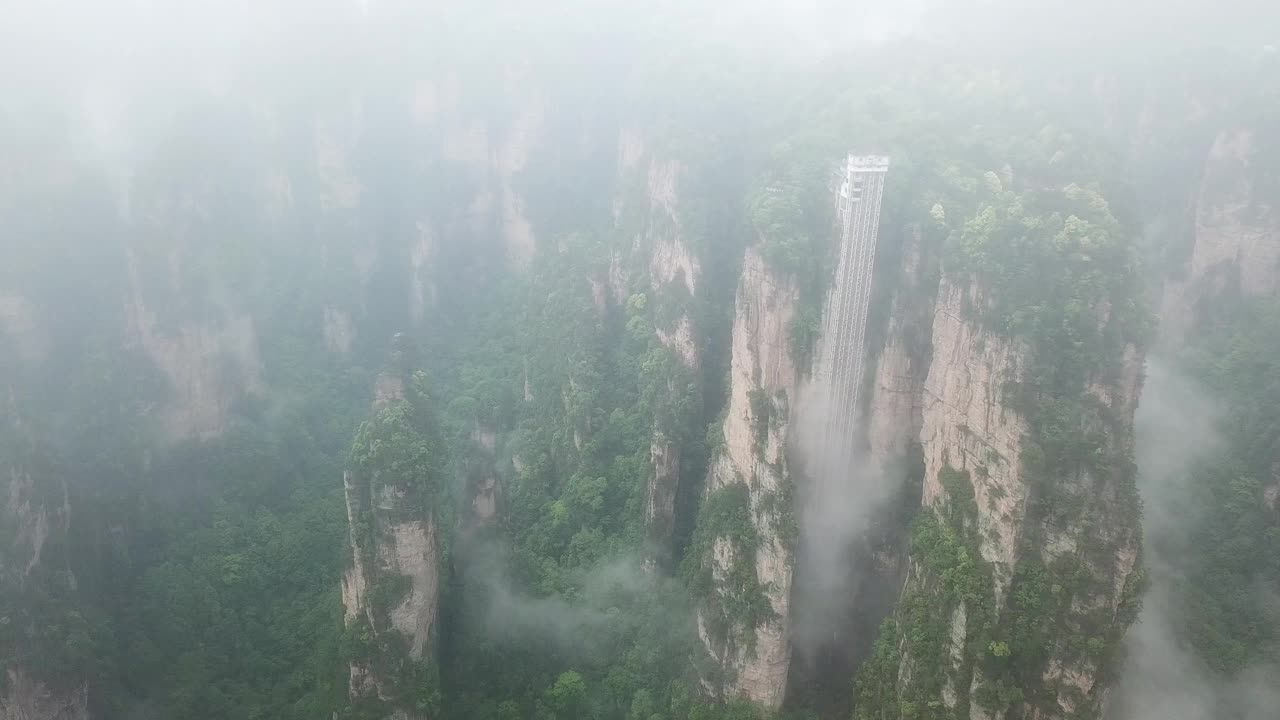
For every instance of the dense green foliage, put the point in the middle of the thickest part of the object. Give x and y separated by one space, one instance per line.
1226 590
1045 260
199 578
737 603
959 586
397 476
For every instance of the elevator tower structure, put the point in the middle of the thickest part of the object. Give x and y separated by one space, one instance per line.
859 187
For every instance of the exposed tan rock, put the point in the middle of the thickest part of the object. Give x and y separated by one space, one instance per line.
1237 241
617 279
32 519
19 321
25 698
957 637
968 426
894 406
599 300
392 539
410 550
387 389
354 584
208 367
338 330
671 262
658 247
209 363
484 500
680 341
761 362
660 492
664 184
493 159
422 290
511 158
482 482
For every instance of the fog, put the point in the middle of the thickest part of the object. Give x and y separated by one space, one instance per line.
607 600
222 212
1176 429
841 493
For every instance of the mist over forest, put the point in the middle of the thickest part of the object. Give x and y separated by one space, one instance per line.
390 360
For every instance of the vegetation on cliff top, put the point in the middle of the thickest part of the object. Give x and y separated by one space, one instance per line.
200 578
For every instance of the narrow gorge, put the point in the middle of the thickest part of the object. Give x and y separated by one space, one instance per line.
685 362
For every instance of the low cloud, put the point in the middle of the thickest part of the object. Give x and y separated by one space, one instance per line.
839 492
1164 678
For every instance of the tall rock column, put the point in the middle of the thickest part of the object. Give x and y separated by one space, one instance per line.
391 587
44 639
742 557
1237 237
674 398
902 362
655 259
1208 393
38 592
1023 565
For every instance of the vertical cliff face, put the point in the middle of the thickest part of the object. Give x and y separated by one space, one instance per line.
1205 379
481 478
391 586
654 258
1024 550
37 515
25 698
1237 237
968 426
486 157
37 587
896 392
182 315
209 365
422 289
1022 569
746 533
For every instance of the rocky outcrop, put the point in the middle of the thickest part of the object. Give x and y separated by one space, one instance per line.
894 406
489 156
391 587
1237 237
672 274
752 652
37 517
32 519
21 325
654 248
337 330
1028 543
208 367
674 271
479 465
210 364
422 290
967 425
24 698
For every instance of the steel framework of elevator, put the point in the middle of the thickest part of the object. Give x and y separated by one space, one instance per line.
859 188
